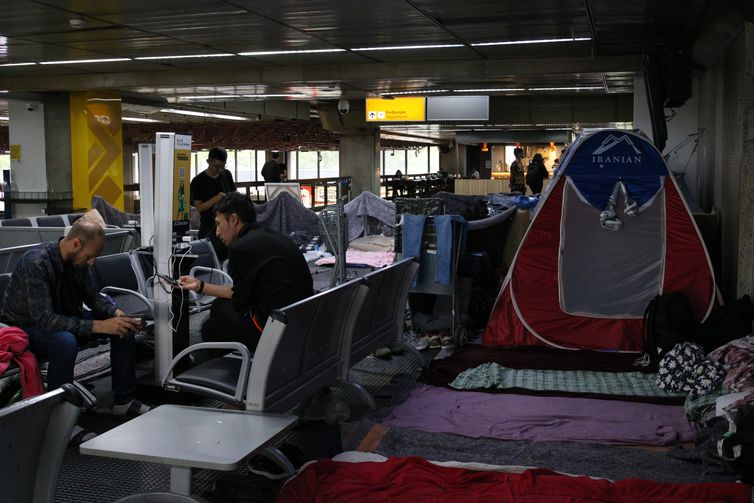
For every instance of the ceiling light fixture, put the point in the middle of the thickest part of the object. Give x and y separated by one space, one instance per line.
209 97
18 64
490 90
137 119
275 96
534 41
406 47
186 56
421 91
298 51
568 88
77 61
203 114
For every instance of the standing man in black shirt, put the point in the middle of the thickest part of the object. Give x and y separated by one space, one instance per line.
207 188
271 171
268 271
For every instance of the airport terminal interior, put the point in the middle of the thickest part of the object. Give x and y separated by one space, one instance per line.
402 250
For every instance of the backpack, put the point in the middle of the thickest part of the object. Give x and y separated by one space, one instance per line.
668 320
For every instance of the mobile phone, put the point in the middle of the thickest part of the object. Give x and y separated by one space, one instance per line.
172 281
141 320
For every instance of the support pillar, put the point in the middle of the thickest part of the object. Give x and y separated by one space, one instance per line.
96 148
360 159
28 152
359 145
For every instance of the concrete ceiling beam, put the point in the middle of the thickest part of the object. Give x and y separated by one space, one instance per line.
476 71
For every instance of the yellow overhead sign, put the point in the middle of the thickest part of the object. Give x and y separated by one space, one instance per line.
395 110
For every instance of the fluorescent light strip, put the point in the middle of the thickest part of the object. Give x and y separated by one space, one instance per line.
186 56
3 118
301 51
137 119
575 88
536 41
77 61
202 114
406 47
425 91
490 90
17 64
209 97
275 96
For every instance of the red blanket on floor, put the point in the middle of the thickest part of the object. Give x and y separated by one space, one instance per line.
415 480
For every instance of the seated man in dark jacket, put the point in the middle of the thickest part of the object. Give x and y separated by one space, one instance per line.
268 271
45 298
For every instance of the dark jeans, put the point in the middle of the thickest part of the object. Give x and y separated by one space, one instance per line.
224 324
60 350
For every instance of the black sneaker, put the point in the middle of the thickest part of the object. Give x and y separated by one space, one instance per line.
261 465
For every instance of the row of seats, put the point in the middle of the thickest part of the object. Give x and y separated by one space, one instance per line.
42 221
128 277
304 347
17 241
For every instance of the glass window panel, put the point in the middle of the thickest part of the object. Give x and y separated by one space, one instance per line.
434 159
307 165
245 165
396 160
329 164
201 160
418 161
292 165
230 164
261 159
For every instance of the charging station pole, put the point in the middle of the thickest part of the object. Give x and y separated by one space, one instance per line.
163 249
146 192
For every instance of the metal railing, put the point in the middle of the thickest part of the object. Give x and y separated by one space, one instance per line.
413 186
316 193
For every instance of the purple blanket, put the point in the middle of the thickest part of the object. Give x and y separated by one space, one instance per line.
539 418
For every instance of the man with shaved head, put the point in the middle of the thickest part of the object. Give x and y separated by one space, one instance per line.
45 298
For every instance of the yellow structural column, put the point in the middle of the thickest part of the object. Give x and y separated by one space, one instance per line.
96 148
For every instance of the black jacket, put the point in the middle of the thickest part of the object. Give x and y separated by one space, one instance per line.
268 270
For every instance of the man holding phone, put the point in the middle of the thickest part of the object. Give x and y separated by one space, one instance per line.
268 272
207 188
45 298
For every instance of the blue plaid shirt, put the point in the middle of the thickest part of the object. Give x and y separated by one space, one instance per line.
34 294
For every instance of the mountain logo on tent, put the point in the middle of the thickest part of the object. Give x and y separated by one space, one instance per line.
612 141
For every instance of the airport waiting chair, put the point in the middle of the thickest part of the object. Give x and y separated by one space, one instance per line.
35 435
119 279
51 221
72 217
207 268
17 222
300 351
300 348
380 320
9 257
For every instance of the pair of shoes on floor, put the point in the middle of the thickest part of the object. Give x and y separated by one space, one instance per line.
132 408
264 466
